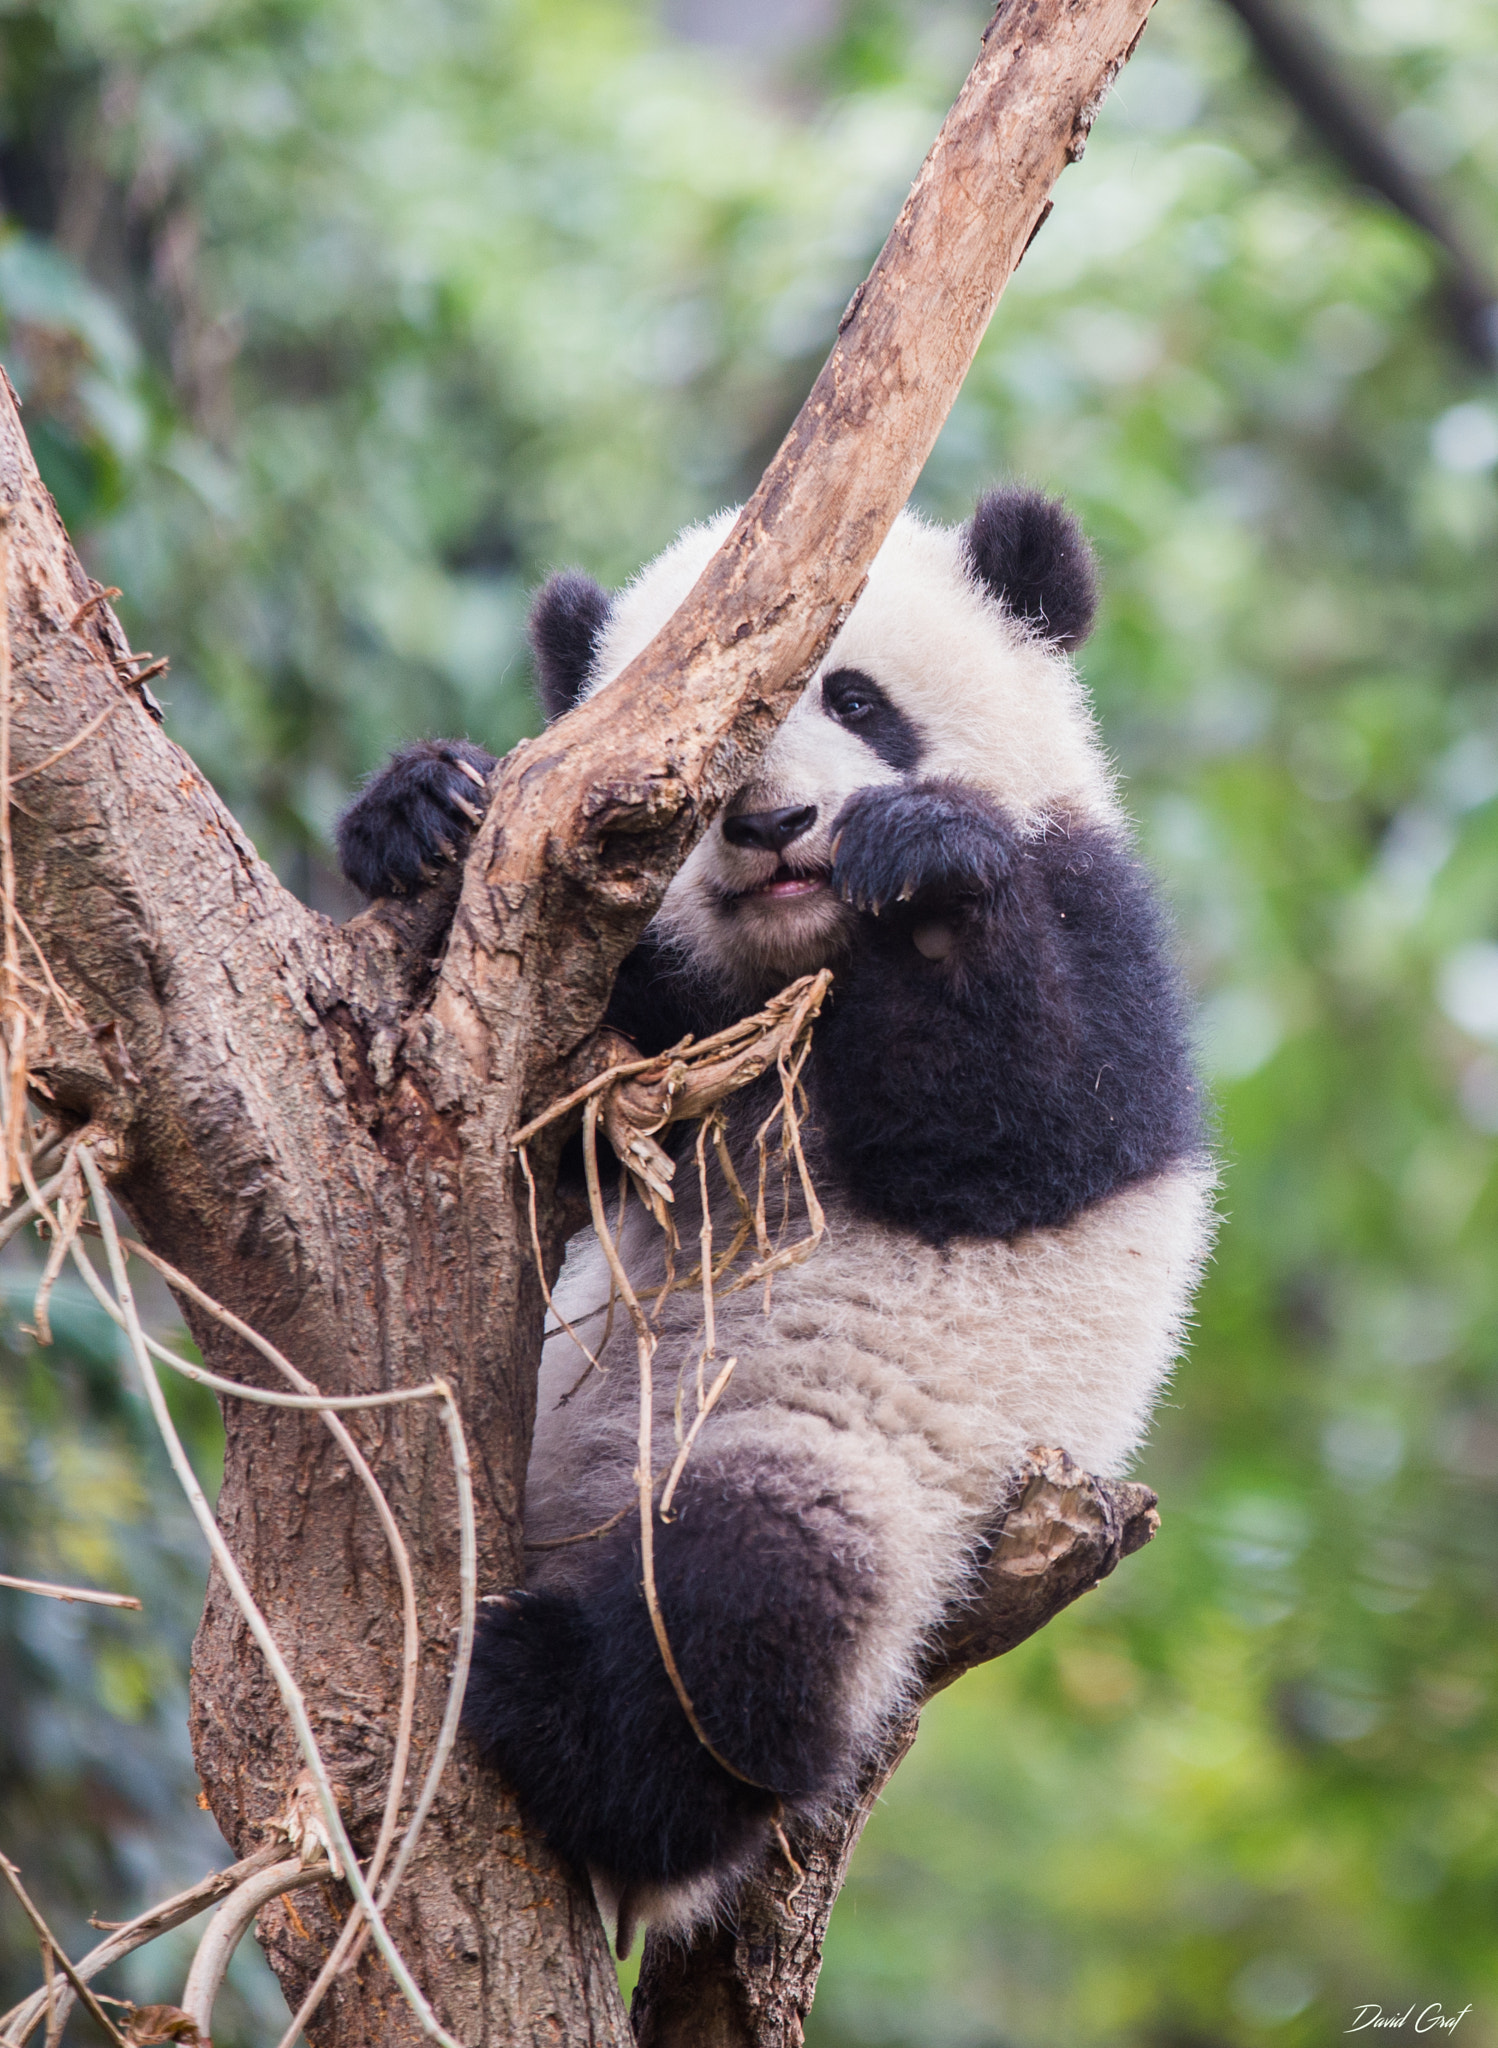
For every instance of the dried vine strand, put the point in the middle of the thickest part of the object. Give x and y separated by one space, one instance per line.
562 1322
65 1230
795 1005
410 1627
14 1015
52 759
230 1924
688 1083
55 2006
583 1535
706 1405
351 1941
645 1343
705 1260
354 1929
267 1397
411 1642
59 995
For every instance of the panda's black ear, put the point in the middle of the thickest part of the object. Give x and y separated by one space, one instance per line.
566 623
1030 551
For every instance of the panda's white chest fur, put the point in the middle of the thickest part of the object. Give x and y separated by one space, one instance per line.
946 1362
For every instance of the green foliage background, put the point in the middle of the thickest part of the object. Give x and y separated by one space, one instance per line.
338 323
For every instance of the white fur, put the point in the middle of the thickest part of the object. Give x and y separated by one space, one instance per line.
916 1377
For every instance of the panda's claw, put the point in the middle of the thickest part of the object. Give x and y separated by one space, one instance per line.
414 818
937 842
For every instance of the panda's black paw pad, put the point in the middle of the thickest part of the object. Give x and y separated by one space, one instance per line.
921 846
415 816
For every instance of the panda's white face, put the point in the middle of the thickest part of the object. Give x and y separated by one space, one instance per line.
930 677
753 901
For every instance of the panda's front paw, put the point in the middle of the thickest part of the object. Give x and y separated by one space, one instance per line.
930 846
417 814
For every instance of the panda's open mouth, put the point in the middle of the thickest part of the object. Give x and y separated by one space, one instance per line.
785 883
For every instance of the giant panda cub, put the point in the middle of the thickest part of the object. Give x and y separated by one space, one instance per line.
1008 1146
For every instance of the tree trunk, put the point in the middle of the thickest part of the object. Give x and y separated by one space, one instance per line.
313 1121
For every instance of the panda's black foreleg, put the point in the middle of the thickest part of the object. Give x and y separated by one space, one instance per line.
933 846
765 1588
414 816
1006 1042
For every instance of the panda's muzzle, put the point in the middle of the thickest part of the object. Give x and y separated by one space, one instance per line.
770 831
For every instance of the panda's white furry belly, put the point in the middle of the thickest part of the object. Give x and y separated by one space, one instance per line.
912 1378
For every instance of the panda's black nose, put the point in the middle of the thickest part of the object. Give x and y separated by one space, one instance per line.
770 831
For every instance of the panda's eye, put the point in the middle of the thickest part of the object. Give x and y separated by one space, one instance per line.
857 703
850 697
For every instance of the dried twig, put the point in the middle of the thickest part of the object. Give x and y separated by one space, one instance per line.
99 597
18 2023
52 1950
69 1592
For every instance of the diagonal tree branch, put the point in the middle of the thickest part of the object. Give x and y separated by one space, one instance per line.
591 820
1343 119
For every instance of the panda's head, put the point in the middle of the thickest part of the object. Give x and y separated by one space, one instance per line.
955 663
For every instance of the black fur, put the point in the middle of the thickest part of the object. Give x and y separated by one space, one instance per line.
764 1582
856 701
1040 1066
409 819
1030 552
568 616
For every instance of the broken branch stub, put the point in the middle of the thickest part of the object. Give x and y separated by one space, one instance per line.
1064 1532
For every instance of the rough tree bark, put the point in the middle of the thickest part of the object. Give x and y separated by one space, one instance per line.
313 1121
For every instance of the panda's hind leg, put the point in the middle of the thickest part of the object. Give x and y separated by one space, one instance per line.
767 1588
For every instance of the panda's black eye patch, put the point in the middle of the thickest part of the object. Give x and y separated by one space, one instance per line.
857 702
